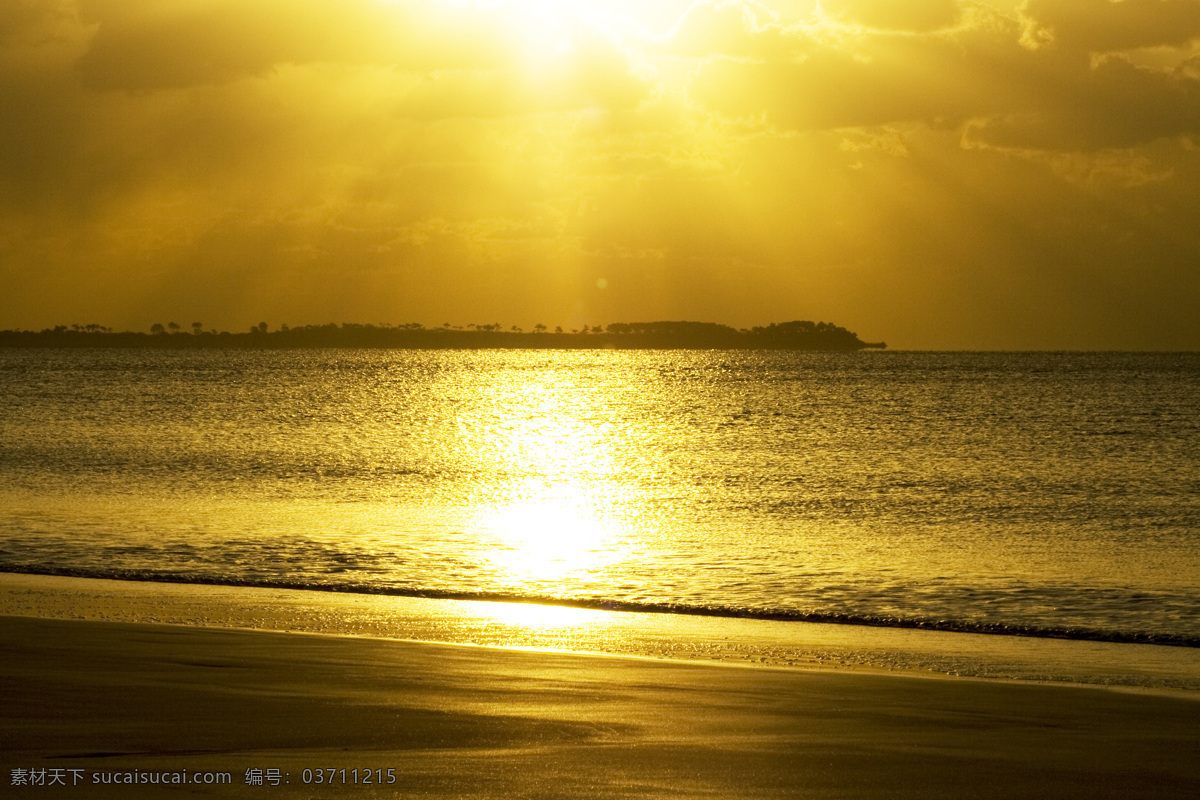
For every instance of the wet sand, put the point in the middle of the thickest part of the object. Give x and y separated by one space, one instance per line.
472 722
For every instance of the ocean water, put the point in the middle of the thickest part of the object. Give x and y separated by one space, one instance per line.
1041 494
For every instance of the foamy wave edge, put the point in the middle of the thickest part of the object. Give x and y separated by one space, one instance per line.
645 607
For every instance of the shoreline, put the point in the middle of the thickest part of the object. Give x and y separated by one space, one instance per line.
801 645
635 607
88 697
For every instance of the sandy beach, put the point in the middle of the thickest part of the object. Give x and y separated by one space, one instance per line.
86 700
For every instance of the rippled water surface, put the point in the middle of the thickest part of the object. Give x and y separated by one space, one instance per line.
1045 493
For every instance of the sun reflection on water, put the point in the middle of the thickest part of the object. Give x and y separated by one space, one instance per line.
544 543
544 617
557 514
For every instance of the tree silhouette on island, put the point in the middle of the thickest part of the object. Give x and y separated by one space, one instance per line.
797 335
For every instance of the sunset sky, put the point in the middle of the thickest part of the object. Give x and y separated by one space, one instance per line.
932 173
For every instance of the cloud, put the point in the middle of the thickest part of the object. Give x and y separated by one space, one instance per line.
1113 104
26 24
978 76
870 78
1109 25
593 73
911 15
933 177
732 28
149 44
88 124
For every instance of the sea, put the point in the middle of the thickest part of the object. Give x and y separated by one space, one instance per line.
1031 495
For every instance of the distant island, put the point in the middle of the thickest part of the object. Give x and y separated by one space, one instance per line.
813 336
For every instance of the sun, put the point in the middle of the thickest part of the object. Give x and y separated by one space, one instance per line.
545 27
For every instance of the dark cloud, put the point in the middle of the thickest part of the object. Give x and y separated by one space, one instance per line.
1105 25
26 23
148 44
1113 104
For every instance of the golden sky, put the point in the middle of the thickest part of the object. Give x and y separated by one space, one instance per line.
933 173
